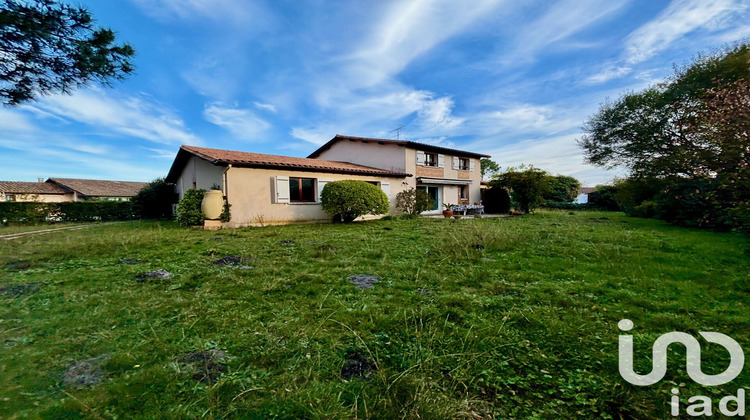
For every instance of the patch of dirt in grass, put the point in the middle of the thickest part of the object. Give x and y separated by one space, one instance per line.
20 289
159 274
207 365
217 238
128 261
86 373
357 365
17 265
424 292
364 281
286 242
228 260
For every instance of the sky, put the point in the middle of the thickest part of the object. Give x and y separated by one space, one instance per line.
513 79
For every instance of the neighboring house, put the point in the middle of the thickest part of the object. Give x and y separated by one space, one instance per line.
33 191
92 189
266 189
583 195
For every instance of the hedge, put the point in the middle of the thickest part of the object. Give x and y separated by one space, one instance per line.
14 213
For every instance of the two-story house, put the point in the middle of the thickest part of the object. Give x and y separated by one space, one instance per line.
272 189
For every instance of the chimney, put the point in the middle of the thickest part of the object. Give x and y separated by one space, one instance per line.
40 179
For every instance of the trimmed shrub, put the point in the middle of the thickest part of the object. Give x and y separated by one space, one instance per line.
630 193
346 200
496 200
155 200
412 202
189 208
81 211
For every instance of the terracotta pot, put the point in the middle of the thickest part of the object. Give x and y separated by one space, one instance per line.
447 214
212 205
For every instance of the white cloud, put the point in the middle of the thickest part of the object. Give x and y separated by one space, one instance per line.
266 107
609 73
408 29
248 13
677 20
242 123
129 115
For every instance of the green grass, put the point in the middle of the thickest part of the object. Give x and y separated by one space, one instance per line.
10 230
471 319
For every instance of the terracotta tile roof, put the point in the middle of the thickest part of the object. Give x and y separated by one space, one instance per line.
97 188
18 187
258 160
405 143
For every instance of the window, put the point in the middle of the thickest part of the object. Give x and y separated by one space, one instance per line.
430 159
301 190
463 164
463 192
10 197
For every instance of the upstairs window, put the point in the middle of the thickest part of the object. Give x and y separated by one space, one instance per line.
463 164
430 159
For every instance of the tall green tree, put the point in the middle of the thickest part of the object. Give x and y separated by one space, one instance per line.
659 132
488 167
50 47
527 186
563 189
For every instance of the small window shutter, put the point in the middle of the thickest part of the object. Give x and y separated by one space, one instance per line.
471 165
386 187
420 158
282 189
322 183
441 161
455 162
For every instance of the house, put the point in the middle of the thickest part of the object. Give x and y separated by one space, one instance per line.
270 189
69 189
583 195
93 189
33 191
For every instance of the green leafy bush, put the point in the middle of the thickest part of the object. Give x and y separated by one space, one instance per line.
411 202
689 203
155 200
346 200
496 200
603 198
81 211
527 186
189 208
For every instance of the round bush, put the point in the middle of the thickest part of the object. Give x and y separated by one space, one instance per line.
496 200
346 200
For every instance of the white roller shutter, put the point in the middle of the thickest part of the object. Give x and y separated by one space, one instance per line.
455 162
281 189
441 161
471 165
386 187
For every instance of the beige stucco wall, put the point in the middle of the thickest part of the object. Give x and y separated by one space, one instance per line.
390 157
250 194
200 174
40 198
449 192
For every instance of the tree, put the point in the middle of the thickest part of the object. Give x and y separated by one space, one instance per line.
189 208
412 202
155 200
49 47
563 189
660 132
346 200
488 167
527 186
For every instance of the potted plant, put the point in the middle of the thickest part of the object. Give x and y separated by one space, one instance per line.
447 213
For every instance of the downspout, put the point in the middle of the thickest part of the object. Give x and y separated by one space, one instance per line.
226 182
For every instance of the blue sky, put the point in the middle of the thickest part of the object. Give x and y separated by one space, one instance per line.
513 79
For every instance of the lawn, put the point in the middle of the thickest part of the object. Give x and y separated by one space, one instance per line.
480 318
11 230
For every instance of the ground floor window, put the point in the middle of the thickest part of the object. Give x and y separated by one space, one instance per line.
10 197
301 190
434 193
463 192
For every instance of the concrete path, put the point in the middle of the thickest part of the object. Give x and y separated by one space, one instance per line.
39 232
